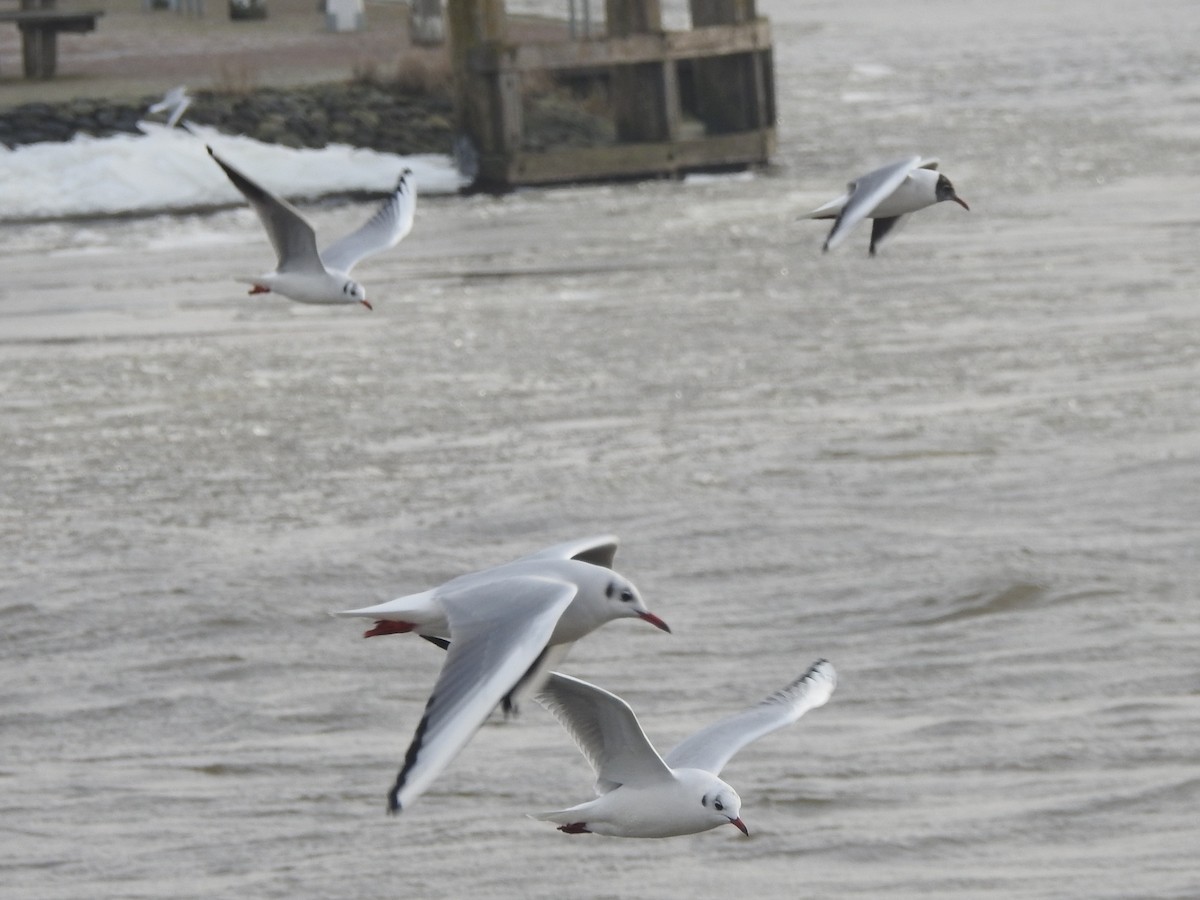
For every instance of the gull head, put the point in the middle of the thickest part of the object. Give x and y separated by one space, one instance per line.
944 190
721 805
623 599
355 293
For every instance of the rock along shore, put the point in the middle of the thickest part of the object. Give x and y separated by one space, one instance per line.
375 116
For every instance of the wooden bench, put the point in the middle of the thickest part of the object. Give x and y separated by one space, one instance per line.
40 22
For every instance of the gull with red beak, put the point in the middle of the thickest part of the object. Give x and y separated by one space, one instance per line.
307 275
507 627
886 195
644 795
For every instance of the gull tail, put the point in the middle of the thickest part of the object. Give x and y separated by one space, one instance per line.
415 607
830 210
557 816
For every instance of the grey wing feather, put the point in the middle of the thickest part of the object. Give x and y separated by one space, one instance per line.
599 551
386 228
606 730
882 228
534 677
496 633
712 747
293 238
868 192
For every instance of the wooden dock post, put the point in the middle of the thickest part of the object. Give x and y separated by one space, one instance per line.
476 26
645 96
733 91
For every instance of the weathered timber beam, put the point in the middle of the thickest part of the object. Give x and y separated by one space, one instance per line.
629 160
639 48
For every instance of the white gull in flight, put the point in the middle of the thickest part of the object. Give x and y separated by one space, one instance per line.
305 275
507 627
886 195
644 795
174 103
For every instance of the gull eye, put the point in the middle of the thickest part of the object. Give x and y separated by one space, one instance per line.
627 595
718 805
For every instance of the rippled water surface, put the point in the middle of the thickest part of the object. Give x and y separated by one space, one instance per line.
965 472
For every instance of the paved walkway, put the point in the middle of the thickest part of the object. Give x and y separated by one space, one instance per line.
136 52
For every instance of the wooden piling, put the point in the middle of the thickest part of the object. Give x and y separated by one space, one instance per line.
644 95
733 91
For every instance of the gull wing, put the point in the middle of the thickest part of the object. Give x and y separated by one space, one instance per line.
607 732
172 97
599 551
174 102
497 631
712 747
533 677
882 228
386 228
868 192
293 238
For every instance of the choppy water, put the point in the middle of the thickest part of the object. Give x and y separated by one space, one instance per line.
965 472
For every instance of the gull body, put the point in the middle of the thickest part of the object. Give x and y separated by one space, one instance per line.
886 196
305 274
644 795
506 627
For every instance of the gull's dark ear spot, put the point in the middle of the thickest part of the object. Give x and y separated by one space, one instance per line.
704 800
608 591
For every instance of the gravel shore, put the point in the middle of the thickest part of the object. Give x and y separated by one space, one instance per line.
375 116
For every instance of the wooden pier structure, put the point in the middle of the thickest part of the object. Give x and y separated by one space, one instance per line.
672 101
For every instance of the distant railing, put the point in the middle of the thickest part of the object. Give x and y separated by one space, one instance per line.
40 21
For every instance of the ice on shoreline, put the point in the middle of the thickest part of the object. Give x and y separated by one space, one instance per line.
168 170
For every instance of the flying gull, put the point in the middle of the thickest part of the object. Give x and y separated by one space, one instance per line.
507 627
886 195
305 275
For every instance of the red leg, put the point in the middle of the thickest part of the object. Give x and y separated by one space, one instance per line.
260 289
385 626
575 828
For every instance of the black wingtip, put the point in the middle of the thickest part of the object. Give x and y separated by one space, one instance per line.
410 758
394 806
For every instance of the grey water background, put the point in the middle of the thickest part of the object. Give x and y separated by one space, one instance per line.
965 472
